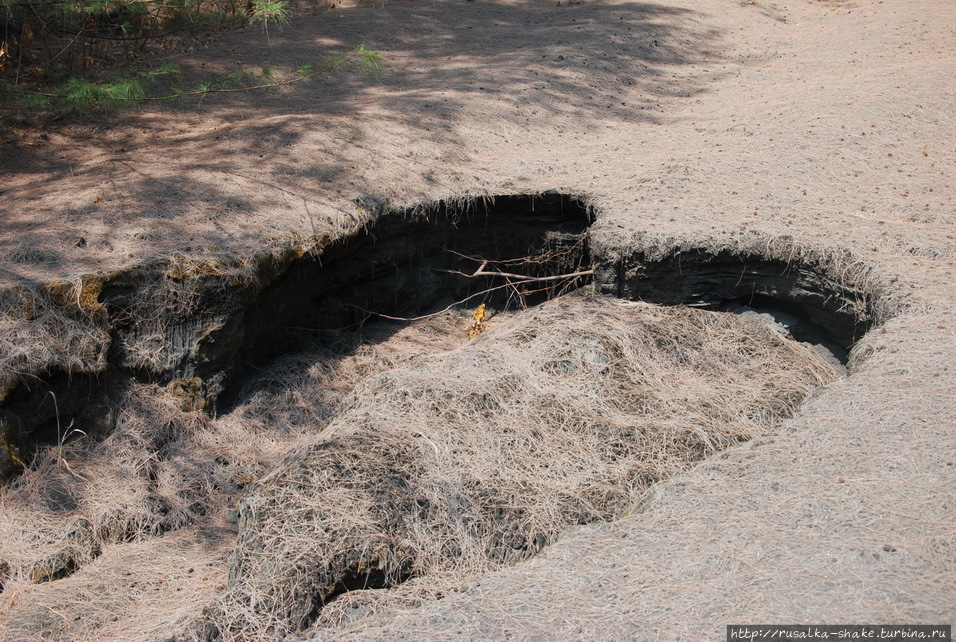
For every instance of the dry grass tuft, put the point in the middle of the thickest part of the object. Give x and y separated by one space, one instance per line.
134 591
59 327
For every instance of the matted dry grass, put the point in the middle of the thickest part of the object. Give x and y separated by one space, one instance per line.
460 462
112 522
417 455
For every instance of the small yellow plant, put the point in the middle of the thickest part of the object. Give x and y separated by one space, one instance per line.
478 324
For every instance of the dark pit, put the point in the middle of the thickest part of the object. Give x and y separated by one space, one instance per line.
205 334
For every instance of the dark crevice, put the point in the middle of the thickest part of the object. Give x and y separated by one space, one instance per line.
409 263
405 263
828 307
353 581
32 419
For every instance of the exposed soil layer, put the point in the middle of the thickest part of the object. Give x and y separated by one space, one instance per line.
407 262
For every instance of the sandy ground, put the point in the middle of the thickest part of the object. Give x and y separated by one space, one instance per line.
708 120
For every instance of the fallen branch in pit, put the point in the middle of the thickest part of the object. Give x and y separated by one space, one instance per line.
524 278
479 273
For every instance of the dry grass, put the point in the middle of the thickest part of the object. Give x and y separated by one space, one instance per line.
59 326
843 512
135 591
155 496
460 462
65 327
418 456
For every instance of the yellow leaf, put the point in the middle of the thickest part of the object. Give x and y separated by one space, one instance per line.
478 325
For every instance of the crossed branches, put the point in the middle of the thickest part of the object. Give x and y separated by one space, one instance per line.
514 281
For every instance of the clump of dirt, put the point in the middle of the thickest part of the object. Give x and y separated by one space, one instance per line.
463 461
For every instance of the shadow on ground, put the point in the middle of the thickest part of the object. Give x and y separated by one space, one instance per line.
169 178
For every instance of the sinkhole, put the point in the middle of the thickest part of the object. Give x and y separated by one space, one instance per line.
203 327
515 252
583 368
609 368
